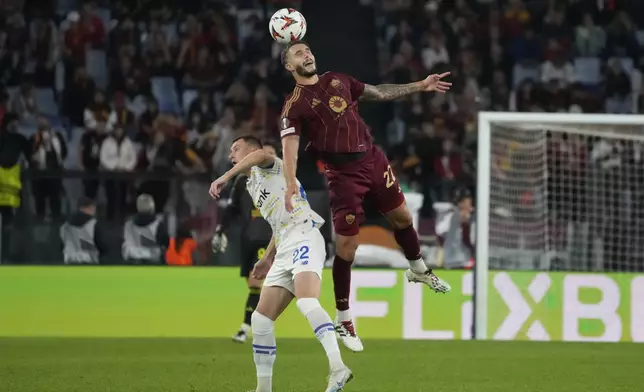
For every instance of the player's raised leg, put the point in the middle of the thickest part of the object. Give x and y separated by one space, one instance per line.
390 201
307 284
344 255
407 238
273 300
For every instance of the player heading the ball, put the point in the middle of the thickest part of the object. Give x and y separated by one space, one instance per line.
325 107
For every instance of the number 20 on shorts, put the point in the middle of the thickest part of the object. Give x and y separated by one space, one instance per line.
390 179
301 254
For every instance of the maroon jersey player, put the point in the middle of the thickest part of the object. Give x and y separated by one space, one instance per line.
325 108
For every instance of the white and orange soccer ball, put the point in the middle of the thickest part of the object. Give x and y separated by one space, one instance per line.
287 25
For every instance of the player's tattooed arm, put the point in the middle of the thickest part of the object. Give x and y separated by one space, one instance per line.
388 92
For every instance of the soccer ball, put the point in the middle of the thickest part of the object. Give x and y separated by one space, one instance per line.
287 25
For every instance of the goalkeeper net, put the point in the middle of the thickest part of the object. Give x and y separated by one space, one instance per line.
562 192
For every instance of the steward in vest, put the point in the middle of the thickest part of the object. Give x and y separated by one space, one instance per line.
83 240
145 234
13 146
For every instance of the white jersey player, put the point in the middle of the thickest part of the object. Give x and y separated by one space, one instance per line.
293 262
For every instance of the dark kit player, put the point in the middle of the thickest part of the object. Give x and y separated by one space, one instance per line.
325 108
256 234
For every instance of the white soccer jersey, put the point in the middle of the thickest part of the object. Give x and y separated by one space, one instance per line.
267 187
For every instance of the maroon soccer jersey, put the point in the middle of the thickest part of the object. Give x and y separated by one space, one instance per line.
327 112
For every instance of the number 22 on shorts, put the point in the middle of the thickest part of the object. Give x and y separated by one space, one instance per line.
301 254
390 179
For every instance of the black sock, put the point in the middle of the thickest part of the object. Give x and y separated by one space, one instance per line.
251 303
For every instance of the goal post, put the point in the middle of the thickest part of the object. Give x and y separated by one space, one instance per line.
551 190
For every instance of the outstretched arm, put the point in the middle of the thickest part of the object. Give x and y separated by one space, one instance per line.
256 158
388 92
290 147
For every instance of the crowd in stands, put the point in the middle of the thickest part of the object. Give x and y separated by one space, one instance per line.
136 86
513 55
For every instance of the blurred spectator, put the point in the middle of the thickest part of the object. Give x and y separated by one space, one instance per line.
435 52
515 18
99 114
24 103
44 51
204 107
157 157
556 28
449 167
558 72
146 122
265 116
618 89
124 117
157 51
621 36
225 136
76 43
92 24
590 39
89 158
203 73
118 155
77 94
49 150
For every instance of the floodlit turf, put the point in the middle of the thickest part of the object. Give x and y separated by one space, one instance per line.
200 365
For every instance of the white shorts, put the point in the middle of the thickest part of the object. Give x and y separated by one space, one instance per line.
302 250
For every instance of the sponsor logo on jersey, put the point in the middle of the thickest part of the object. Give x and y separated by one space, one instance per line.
263 195
350 218
337 104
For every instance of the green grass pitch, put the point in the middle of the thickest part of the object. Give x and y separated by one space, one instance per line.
214 365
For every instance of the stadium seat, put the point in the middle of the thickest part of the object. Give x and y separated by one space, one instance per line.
187 98
523 72
46 102
165 91
627 64
588 70
97 67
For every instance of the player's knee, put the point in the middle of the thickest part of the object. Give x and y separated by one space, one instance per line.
346 247
260 324
400 218
307 305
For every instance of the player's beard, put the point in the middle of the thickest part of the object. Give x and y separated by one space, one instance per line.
301 70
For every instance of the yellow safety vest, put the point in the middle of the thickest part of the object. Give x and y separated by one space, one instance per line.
10 186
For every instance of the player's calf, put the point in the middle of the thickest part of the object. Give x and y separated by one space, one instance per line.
307 289
264 350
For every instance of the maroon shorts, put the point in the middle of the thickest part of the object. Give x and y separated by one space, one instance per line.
370 177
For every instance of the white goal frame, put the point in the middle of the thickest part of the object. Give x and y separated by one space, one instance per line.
485 121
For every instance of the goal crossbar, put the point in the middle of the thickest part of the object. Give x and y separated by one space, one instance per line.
563 122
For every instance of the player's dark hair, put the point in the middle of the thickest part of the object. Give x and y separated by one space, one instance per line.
289 46
250 139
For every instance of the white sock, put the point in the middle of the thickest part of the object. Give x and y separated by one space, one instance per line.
418 266
344 315
323 329
264 350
